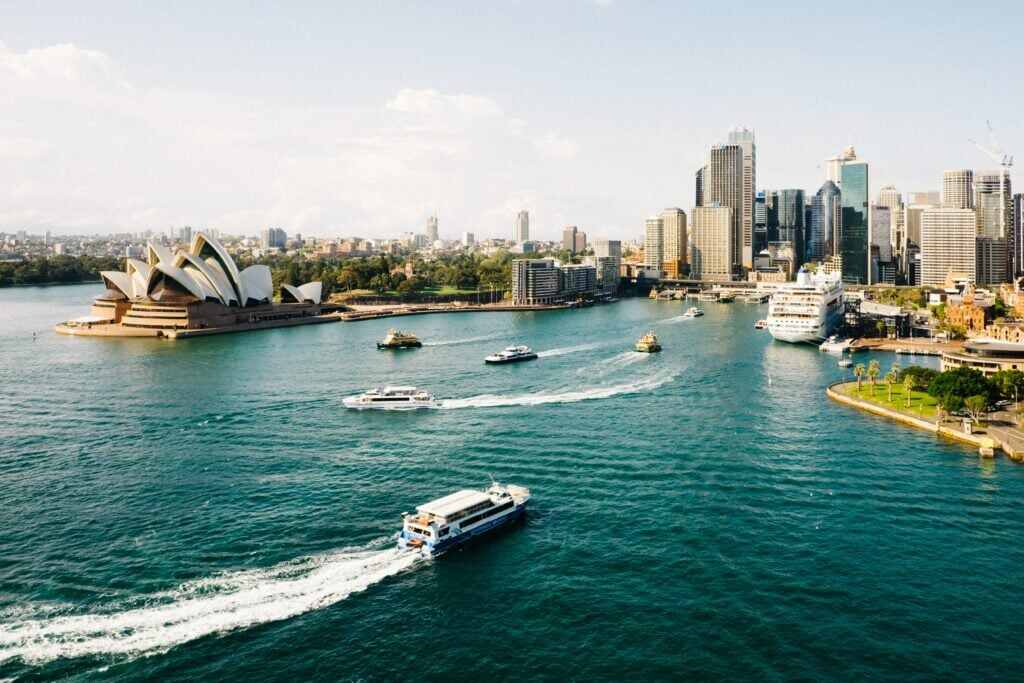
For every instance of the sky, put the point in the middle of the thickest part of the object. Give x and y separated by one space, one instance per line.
343 119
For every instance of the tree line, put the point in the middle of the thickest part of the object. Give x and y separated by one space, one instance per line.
57 270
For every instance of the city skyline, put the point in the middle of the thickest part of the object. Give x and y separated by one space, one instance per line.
274 126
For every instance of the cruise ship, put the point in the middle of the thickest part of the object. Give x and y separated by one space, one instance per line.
807 310
444 523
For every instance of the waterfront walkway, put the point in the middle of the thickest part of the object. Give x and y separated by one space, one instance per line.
371 312
998 430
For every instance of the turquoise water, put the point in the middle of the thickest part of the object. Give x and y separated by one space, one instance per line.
205 509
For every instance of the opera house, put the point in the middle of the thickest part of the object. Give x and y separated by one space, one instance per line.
194 292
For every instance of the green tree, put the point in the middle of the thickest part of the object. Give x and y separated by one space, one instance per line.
859 371
1009 384
909 382
922 376
891 378
880 328
947 404
874 370
976 407
962 382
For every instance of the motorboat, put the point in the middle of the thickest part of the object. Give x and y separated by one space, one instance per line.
392 398
512 354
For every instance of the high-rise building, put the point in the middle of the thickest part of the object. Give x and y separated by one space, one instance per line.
890 197
792 224
580 242
1018 235
432 234
699 195
723 185
958 189
760 222
607 260
711 240
948 244
834 165
608 248
853 236
745 139
674 246
521 230
569 238
994 203
468 239
273 238
823 235
929 198
990 260
654 242
771 203
881 235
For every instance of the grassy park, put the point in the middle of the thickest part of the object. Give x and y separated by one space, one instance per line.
921 404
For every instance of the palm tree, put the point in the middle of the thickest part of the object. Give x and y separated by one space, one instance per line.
909 383
858 372
891 378
874 370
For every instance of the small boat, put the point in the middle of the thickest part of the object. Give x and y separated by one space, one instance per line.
396 339
648 343
845 362
392 398
693 312
707 296
761 325
450 521
726 298
513 354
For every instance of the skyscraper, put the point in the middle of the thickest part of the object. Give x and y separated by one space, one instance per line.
674 236
823 235
569 238
1018 235
947 244
958 189
760 222
790 208
711 239
521 230
993 204
654 243
834 165
468 239
889 196
580 242
853 236
699 196
723 184
745 139
273 238
432 229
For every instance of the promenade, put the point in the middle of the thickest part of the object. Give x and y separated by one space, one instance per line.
997 429
374 311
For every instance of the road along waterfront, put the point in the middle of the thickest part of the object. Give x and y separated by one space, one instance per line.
208 510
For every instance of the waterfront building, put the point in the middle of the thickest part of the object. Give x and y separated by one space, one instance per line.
521 229
569 238
577 280
823 235
711 242
744 138
273 238
674 257
198 288
607 272
654 242
723 185
948 244
988 356
958 189
535 281
854 237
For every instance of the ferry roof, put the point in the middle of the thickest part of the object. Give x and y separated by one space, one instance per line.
453 502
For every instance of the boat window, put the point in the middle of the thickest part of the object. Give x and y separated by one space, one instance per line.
489 513
443 532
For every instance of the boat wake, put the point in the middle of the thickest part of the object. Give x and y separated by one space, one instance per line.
617 362
674 320
551 353
467 340
215 605
542 398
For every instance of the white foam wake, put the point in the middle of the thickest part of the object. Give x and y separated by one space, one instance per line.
673 320
565 350
493 401
467 340
218 604
617 362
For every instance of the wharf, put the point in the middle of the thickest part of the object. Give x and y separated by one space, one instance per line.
999 431
373 312
907 346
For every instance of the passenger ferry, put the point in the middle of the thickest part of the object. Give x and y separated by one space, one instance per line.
761 325
396 339
807 310
392 398
444 523
513 354
693 312
648 343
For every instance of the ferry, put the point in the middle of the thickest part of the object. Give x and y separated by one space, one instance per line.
513 354
693 312
442 524
807 310
761 325
726 298
396 339
392 398
648 343
845 362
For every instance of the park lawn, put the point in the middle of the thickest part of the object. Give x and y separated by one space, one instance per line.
921 404
449 290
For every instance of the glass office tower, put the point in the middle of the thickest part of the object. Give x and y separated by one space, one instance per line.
854 239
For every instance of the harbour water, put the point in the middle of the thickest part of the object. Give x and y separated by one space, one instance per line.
205 509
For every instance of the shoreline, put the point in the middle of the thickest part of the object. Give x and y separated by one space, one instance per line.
986 442
374 312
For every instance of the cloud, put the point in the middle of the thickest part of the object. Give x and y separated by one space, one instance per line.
88 149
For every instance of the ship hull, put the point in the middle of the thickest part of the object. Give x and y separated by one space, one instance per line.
505 361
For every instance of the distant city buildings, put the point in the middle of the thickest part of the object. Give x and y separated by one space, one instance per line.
854 237
569 238
468 240
958 189
744 138
521 229
545 281
723 186
674 242
272 238
432 233
823 233
654 242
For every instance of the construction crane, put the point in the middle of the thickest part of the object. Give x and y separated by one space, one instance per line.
998 155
